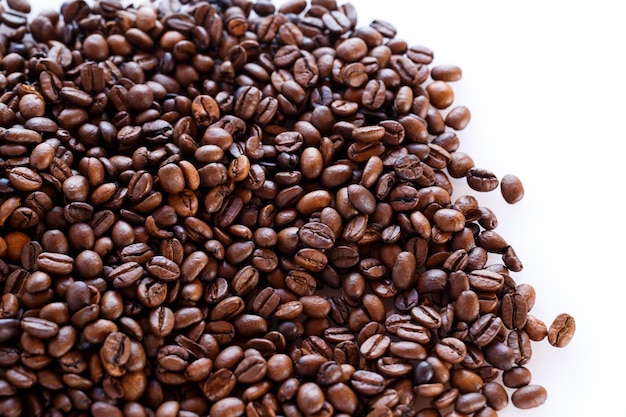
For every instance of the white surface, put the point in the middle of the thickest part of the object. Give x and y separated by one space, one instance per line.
545 83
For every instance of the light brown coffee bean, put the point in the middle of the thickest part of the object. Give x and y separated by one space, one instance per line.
561 331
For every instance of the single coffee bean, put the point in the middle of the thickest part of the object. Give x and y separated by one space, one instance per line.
458 118
41 328
126 274
317 235
55 263
367 383
516 377
511 188
561 331
514 311
446 73
482 180
535 328
529 396
470 402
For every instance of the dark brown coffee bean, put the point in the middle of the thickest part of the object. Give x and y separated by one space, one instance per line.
22 6
55 263
514 311
115 353
482 180
529 396
126 274
496 395
310 397
511 188
205 110
516 377
375 346
367 383
467 306
458 118
470 402
162 321
465 380
25 179
37 327
485 329
300 282
163 268
317 235
451 350
219 384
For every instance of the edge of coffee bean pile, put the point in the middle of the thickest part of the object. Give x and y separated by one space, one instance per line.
232 208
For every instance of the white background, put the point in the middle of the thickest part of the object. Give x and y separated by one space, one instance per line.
545 82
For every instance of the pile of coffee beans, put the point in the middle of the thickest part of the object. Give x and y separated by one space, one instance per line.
231 208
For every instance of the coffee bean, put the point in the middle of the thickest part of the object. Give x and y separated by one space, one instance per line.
561 331
514 311
511 188
516 377
55 263
446 73
25 179
458 118
440 94
367 383
535 328
485 329
451 350
482 180
310 397
41 328
529 396
317 235
375 346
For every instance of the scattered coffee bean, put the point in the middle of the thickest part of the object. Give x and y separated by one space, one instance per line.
561 331
511 188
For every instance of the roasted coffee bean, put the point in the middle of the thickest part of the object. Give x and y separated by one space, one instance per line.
310 397
529 396
485 329
485 280
482 180
41 328
535 328
367 383
561 330
25 179
375 346
511 188
55 263
317 235
446 73
126 274
514 311
470 403
516 377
